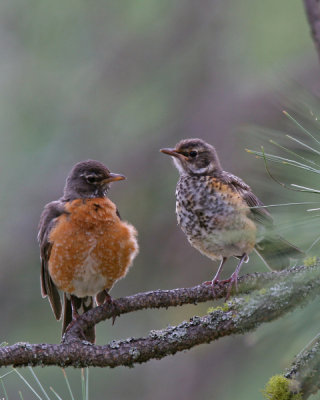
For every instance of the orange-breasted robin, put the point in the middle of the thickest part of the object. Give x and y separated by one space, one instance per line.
219 213
85 247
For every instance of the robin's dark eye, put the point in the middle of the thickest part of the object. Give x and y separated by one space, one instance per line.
92 178
193 154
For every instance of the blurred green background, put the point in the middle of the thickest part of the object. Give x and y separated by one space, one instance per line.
115 81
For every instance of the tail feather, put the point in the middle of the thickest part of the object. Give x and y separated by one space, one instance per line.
276 252
82 305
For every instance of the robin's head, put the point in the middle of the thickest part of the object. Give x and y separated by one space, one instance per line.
89 179
194 157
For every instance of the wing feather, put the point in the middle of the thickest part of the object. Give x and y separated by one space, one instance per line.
47 221
258 212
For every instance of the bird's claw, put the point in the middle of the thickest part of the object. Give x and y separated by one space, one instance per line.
233 280
114 310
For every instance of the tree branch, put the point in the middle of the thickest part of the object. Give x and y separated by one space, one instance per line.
302 379
173 298
282 292
312 8
305 371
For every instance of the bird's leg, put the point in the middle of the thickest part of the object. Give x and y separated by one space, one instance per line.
234 277
216 277
75 314
109 300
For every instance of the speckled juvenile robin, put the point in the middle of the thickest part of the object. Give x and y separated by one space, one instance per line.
220 215
85 247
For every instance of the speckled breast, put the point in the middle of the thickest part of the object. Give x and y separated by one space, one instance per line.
214 217
92 248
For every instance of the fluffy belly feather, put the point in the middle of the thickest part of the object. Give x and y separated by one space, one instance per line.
92 248
214 220
224 243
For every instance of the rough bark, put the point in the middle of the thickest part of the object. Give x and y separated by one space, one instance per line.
305 371
271 296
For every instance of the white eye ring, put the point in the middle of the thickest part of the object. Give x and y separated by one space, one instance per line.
91 178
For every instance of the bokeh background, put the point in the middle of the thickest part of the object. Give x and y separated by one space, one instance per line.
116 81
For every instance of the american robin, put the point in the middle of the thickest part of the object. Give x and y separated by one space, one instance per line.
219 213
85 247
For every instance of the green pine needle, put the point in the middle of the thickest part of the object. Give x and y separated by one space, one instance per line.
293 153
55 393
38 382
303 144
28 384
68 384
304 130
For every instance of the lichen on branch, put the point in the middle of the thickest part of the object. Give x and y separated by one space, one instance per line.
305 369
271 295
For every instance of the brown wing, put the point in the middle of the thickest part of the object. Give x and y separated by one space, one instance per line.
259 213
273 249
47 220
118 214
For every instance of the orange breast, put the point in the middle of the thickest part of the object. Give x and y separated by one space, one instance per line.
92 248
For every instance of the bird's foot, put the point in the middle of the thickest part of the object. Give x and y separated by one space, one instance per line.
216 280
233 281
213 283
114 310
224 281
234 277
75 317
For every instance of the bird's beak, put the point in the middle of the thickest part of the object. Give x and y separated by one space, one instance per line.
173 153
113 178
